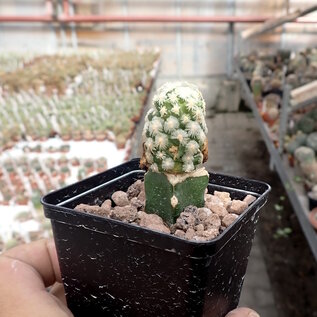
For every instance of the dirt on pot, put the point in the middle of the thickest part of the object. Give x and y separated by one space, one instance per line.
199 224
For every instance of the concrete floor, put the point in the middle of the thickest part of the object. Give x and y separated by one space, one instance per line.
230 136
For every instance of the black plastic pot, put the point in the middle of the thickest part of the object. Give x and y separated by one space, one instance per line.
312 201
111 268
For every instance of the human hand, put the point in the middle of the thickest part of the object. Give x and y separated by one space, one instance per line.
243 312
25 273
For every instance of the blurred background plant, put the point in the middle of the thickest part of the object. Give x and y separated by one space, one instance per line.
63 117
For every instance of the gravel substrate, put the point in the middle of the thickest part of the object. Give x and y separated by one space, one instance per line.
199 224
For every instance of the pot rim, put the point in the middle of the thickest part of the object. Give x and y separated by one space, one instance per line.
60 208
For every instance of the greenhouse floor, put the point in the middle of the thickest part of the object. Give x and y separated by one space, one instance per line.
282 273
229 135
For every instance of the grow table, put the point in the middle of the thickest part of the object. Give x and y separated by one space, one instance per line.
294 191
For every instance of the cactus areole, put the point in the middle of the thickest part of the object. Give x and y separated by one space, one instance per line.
174 147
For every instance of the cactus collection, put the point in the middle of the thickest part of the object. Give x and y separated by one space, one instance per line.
82 95
174 147
266 73
301 142
73 95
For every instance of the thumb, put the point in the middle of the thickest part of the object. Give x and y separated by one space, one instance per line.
243 312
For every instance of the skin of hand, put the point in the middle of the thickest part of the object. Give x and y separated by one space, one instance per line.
25 273
243 312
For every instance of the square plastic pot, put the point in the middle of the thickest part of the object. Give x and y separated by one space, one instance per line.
112 268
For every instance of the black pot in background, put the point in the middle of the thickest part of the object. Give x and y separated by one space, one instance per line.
312 201
111 268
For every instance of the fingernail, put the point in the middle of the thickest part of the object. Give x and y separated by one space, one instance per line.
253 314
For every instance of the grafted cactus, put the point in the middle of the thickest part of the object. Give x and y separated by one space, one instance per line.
174 148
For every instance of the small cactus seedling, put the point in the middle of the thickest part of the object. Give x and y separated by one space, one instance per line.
257 86
174 148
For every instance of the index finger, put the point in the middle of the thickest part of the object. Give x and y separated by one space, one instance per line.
41 256
243 312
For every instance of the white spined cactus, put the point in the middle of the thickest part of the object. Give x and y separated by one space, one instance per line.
175 125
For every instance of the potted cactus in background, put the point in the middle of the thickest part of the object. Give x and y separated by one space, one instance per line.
175 146
118 268
305 156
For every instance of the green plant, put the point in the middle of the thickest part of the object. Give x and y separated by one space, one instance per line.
278 207
256 85
81 173
305 155
74 93
8 165
63 160
306 124
10 169
282 233
37 148
89 163
23 216
312 141
65 170
65 148
61 183
102 162
36 199
298 179
295 142
175 146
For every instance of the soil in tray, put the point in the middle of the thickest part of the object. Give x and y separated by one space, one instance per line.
199 224
290 263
